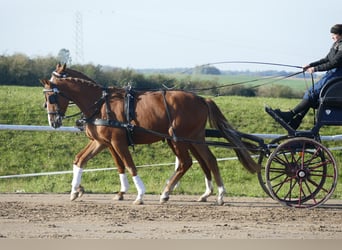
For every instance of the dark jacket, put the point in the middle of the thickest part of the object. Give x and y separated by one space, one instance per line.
332 60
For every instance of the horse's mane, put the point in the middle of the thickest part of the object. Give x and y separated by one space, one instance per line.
80 78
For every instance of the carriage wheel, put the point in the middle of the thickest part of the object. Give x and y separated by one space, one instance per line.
262 161
302 173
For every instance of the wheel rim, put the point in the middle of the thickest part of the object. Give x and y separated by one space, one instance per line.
262 161
301 172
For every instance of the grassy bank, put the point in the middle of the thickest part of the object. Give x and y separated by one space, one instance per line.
34 152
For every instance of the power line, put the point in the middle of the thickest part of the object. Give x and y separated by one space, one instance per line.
79 58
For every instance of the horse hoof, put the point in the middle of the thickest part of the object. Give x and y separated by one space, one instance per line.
118 197
163 200
80 191
220 202
78 194
202 199
138 202
73 196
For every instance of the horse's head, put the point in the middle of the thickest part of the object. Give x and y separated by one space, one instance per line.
55 102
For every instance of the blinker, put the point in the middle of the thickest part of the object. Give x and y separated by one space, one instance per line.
52 99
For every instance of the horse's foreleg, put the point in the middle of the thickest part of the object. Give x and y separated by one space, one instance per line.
122 158
184 165
139 185
92 149
124 186
76 189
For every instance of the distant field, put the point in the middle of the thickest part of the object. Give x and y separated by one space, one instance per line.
32 152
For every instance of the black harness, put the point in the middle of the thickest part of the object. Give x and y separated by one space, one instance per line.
129 112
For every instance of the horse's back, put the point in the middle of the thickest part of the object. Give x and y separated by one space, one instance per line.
184 111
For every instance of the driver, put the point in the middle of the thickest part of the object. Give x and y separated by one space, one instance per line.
332 63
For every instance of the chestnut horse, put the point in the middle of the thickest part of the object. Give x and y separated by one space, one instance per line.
179 117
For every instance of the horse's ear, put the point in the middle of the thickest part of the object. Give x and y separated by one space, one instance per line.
64 66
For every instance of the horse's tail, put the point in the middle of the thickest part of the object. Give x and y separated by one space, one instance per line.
218 121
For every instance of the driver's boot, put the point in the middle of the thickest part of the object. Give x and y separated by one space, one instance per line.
295 116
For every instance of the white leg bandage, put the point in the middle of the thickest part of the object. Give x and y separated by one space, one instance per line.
140 186
209 187
124 183
76 179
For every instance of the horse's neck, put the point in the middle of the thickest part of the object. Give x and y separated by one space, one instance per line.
84 95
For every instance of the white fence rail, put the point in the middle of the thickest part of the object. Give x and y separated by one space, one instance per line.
73 129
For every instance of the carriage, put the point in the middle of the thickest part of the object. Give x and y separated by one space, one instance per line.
299 170
309 179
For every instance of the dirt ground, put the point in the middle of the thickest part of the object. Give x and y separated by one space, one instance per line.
98 216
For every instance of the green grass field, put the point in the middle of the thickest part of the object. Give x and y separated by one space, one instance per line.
35 152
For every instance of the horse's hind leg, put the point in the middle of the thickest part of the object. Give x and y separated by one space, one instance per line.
208 183
210 162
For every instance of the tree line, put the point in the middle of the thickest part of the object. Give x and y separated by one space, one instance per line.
19 69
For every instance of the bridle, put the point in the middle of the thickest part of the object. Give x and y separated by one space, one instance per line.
53 99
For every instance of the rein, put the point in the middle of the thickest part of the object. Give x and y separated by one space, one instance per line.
275 78
252 62
271 78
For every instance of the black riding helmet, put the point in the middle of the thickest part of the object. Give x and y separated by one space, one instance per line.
336 29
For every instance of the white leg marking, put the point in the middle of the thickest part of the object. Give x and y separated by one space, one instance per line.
208 190
176 167
221 192
76 179
209 187
124 183
164 195
140 188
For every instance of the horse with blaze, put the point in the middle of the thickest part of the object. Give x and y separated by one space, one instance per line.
177 116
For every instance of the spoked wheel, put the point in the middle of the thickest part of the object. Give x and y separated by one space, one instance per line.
301 173
262 161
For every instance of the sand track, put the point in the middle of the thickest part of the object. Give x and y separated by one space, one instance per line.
97 216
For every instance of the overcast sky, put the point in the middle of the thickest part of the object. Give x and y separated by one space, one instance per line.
171 33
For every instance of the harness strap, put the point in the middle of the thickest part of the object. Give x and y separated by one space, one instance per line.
105 97
174 137
129 104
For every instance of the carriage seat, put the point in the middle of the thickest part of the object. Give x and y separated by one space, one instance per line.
329 111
